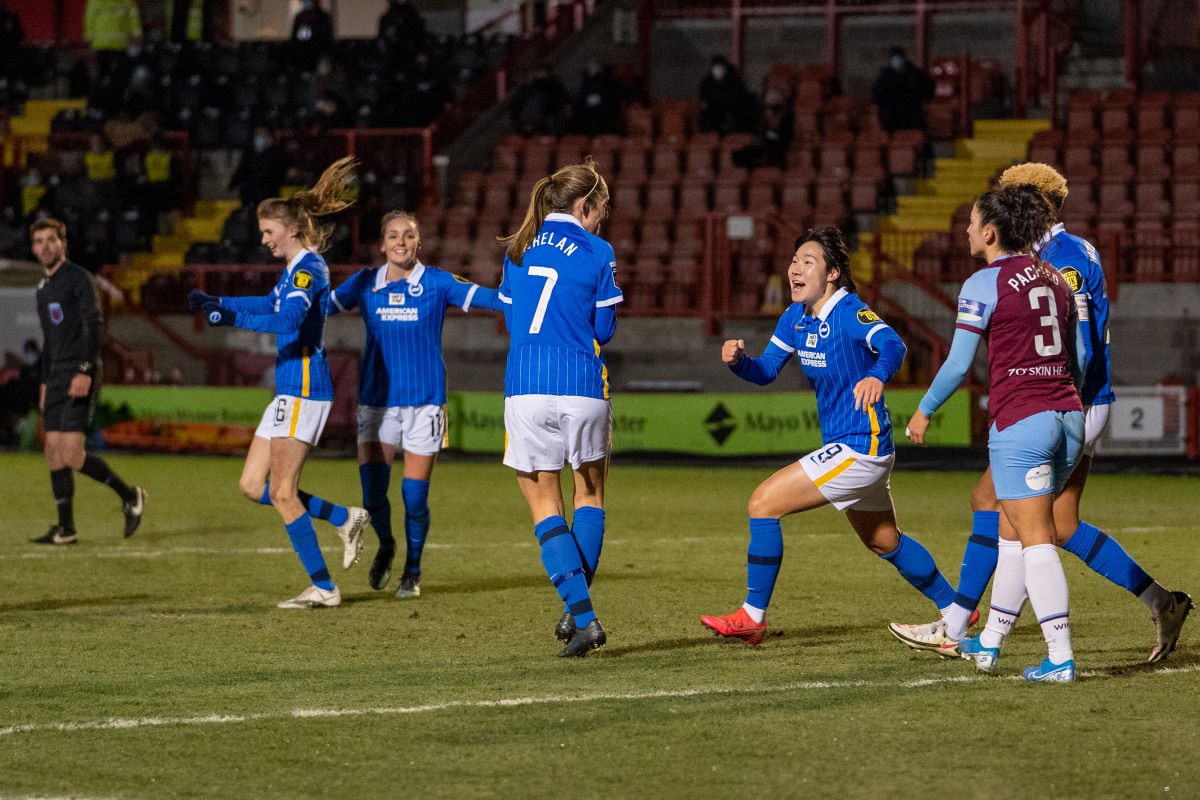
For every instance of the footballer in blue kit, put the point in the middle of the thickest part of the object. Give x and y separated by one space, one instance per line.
1079 264
402 385
295 312
560 296
847 353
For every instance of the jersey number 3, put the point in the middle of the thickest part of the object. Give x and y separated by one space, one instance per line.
1047 321
539 314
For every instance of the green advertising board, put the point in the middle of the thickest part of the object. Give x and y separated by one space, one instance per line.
221 405
743 424
735 424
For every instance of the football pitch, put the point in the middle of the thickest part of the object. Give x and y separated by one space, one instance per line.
158 667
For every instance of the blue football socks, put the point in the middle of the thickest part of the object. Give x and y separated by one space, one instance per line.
304 542
375 477
317 508
1106 556
416 522
560 557
979 559
916 565
588 529
763 558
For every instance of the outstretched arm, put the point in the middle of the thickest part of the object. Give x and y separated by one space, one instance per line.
249 305
762 370
286 320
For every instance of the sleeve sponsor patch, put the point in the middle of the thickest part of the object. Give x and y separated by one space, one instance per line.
868 317
970 311
1073 278
302 279
1083 308
461 279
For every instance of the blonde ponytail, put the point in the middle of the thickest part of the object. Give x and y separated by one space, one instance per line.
556 193
329 195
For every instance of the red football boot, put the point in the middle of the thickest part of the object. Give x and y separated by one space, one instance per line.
737 625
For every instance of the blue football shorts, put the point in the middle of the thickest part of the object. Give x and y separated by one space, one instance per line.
1036 455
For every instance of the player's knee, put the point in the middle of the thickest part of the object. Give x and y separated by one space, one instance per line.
1065 525
760 506
281 495
983 498
252 490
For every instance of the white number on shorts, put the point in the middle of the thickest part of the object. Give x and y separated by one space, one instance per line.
539 314
1048 321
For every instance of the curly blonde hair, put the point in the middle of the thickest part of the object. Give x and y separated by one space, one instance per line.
1043 177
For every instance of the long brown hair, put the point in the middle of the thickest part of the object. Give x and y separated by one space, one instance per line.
557 193
329 195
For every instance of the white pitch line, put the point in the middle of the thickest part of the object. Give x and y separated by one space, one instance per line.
511 702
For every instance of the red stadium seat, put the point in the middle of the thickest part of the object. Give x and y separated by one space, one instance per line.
760 198
727 195
864 194
730 144
507 155
1150 200
693 196
604 149
627 194
698 160
904 152
639 123
664 162
632 160
1152 112
1185 255
660 194
572 149
1114 155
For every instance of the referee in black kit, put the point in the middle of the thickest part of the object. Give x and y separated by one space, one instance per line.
69 310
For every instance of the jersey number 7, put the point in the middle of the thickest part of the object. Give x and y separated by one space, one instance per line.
539 314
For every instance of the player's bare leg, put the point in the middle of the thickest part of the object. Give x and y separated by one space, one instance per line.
788 491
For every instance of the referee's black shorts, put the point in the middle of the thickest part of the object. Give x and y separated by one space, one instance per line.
67 414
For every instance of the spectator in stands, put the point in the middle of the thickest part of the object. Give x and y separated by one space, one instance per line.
597 107
775 131
33 189
899 91
261 171
157 194
725 103
312 35
185 20
12 35
111 27
540 106
425 92
100 164
402 26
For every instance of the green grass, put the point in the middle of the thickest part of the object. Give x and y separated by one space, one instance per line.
178 623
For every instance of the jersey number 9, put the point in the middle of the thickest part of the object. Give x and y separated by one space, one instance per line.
539 314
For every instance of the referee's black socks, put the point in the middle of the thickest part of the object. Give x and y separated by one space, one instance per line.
62 483
95 468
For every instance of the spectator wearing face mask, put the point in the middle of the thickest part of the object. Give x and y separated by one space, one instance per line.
539 107
312 34
261 171
725 103
401 25
899 91
774 133
597 107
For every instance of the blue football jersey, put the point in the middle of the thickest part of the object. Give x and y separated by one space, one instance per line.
295 312
843 344
564 276
402 361
1077 260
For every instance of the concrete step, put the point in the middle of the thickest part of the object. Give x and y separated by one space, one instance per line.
995 151
923 205
1012 129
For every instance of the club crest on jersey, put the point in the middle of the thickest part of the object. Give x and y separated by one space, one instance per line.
302 279
1073 278
823 330
395 298
868 317
810 340
416 289
56 313
970 310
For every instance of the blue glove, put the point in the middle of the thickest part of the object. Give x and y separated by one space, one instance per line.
218 316
197 299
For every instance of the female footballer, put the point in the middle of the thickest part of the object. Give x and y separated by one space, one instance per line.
847 353
295 312
560 293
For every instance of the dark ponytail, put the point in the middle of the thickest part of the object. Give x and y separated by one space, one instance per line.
1021 214
837 255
